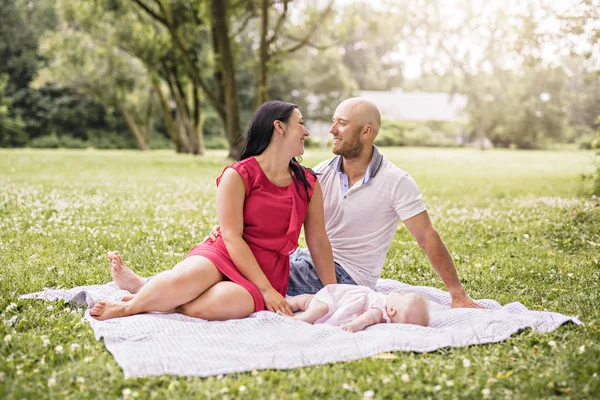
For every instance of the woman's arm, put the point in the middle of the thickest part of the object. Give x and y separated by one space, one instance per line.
368 318
316 238
231 194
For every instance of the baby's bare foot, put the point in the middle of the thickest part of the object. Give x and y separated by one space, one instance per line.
104 310
124 277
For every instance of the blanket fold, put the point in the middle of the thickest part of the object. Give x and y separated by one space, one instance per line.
158 344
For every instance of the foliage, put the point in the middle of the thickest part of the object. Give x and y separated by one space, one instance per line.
48 109
531 240
596 145
420 133
317 81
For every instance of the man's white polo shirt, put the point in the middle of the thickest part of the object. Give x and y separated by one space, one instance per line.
361 222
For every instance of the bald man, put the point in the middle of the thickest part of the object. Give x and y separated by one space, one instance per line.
365 196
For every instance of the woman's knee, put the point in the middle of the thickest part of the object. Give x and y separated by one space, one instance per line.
223 301
195 268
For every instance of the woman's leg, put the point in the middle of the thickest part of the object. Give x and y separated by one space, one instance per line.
225 300
167 290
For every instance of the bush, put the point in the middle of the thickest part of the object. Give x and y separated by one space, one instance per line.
100 140
110 140
419 133
215 142
45 142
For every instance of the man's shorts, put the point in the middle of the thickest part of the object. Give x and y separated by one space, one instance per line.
303 275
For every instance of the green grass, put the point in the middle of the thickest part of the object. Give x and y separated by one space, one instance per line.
519 225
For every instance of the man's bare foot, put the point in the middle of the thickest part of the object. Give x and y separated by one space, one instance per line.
127 298
124 277
104 310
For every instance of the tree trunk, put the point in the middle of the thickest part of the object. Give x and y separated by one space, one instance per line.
481 133
140 136
233 130
190 131
197 119
167 114
261 79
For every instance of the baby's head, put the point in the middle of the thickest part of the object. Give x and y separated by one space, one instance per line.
407 308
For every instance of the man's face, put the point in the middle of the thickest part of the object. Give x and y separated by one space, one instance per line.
346 134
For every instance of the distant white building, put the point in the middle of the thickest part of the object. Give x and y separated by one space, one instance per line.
417 106
398 105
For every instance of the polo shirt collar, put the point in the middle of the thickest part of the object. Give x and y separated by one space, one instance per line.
372 169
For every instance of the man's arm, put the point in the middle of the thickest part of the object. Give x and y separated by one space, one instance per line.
368 318
316 238
429 240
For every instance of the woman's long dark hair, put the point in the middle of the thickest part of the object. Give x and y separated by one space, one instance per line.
260 132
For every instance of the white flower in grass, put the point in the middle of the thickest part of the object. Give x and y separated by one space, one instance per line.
486 392
58 349
51 382
368 394
449 383
126 393
74 347
582 350
466 363
10 307
50 308
242 389
7 338
437 388
405 378
552 343
45 341
346 386
80 379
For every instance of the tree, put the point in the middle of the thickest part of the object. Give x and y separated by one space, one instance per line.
493 55
122 26
102 72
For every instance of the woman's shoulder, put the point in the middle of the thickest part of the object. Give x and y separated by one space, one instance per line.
245 168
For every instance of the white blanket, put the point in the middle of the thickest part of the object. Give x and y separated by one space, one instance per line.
157 344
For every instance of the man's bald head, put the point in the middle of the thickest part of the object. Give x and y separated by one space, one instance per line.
361 111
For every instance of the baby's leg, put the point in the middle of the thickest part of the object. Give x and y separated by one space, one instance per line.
315 310
300 302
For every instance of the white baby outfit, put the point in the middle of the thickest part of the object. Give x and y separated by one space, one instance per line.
347 302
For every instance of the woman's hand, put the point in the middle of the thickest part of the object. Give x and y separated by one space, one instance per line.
275 302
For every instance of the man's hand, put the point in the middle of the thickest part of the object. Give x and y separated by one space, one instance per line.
464 301
214 233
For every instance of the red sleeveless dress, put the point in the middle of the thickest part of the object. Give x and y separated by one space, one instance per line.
273 218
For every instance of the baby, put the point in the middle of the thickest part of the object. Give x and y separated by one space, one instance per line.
354 308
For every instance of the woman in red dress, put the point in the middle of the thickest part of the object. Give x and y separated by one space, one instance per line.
262 202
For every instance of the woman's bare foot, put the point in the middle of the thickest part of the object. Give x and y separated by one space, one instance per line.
127 298
124 277
104 310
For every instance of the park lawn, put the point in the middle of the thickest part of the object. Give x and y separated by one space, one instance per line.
519 225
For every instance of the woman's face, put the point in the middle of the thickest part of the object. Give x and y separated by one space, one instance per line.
295 133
